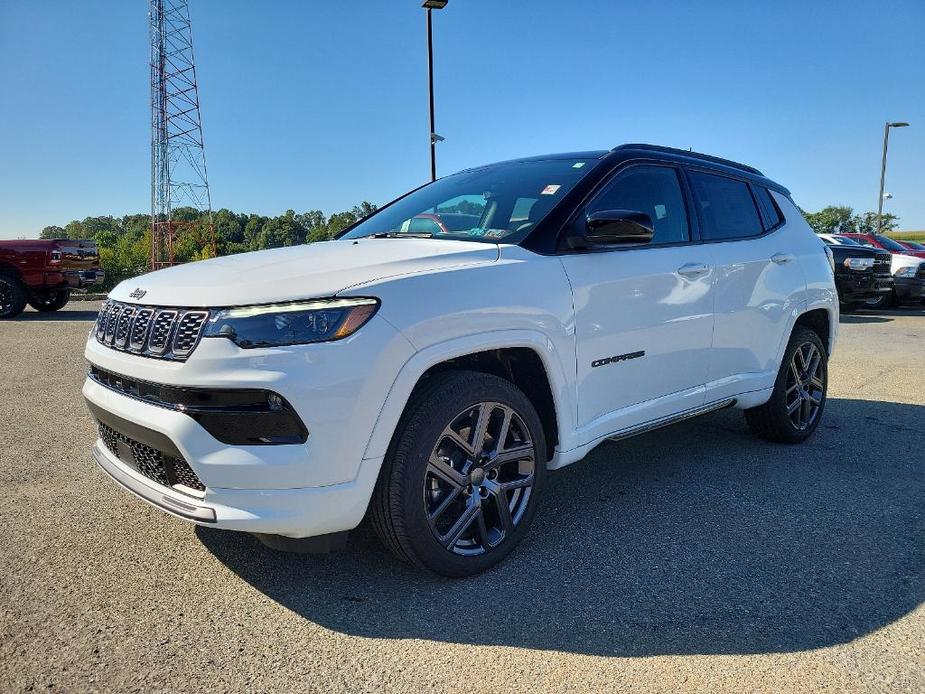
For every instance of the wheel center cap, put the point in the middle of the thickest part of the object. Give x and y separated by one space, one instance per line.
477 476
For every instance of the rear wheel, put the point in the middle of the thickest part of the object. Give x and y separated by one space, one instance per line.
46 300
796 404
459 486
12 294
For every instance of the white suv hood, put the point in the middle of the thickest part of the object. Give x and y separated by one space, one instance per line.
298 272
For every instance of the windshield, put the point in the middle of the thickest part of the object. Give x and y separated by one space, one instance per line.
889 244
846 241
493 204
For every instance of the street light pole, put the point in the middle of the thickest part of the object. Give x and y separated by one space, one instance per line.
430 5
886 140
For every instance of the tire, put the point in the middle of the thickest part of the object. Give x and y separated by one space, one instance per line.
12 294
47 300
883 301
774 421
438 500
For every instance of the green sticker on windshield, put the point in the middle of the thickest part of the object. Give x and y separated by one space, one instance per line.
578 164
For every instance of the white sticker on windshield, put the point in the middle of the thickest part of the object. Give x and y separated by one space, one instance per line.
550 190
578 164
660 212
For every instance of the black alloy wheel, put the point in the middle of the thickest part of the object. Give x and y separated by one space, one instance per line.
459 485
479 478
12 295
795 407
46 300
805 388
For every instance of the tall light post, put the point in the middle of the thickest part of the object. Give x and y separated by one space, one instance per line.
434 137
886 139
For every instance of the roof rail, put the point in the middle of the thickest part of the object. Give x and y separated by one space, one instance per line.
692 154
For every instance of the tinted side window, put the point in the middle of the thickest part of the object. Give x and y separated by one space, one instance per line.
769 209
654 190
727 208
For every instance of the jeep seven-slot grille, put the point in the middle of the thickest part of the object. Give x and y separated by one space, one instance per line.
163 333
150 462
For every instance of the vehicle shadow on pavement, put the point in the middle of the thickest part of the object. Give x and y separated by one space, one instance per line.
696 539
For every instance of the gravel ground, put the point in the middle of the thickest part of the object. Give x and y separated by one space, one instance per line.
696 557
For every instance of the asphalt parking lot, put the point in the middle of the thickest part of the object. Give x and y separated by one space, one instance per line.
696 557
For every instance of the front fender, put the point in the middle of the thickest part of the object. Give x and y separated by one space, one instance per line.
560 383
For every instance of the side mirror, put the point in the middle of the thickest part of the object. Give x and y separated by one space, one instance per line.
615 228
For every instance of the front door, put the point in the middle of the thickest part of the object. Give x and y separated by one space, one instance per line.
643 315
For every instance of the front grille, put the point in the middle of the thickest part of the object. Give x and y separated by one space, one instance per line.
921 273
150 462
882 263
163 333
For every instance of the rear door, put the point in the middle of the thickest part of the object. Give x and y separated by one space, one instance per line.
758 280
643 315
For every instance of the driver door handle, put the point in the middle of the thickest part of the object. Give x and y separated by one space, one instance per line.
693 270
781 258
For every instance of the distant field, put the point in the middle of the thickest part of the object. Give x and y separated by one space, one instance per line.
908 235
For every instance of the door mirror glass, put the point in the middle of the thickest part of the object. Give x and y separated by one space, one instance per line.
618 227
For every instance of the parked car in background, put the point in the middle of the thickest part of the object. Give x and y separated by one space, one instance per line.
884 242
431 379
911 245
42 273
906 270
862 275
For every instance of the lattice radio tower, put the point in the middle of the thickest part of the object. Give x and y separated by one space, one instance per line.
178 159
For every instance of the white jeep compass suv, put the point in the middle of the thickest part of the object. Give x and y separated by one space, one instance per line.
431 364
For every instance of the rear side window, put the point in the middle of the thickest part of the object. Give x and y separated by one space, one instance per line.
769 209
727 208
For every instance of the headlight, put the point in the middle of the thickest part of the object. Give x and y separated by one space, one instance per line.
297 323
859 263
908 271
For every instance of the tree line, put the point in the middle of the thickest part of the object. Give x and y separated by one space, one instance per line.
840 219
125 242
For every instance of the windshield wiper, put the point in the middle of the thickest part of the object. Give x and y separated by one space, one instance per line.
400 235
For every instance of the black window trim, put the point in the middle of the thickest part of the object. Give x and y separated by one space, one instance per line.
687 195
692 168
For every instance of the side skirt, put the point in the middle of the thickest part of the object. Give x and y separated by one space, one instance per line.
671 419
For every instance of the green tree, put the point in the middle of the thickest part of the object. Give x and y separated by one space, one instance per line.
53 232
867 223
834 219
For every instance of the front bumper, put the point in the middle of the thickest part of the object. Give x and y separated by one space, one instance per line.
860 286
289 512
316 487
910 288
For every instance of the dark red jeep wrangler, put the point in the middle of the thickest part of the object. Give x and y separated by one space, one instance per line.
42 273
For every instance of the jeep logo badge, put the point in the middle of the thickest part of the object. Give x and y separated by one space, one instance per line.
137 294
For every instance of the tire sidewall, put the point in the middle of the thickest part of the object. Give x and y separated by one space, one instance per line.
18 293
433 414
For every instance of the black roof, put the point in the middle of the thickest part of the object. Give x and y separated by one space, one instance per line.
680 155
690 154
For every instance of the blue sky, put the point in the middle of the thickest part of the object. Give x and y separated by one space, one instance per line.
317 104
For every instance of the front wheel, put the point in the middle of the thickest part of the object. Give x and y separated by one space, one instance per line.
796 404
885 300
459 486
46 300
